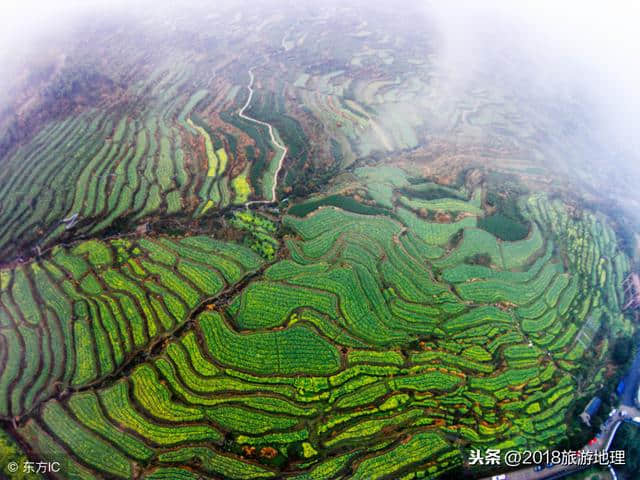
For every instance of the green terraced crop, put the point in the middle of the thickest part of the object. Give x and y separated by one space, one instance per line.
369 351
442 204
87 447
295 350
264 305
213 462
474 242
114 313
106 169
515 254
433 233
418 449
497 290
540 324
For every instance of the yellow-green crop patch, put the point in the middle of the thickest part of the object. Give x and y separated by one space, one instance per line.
301 270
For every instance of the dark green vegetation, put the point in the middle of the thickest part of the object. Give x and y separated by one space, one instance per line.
628 439
503 227
507 222
341 201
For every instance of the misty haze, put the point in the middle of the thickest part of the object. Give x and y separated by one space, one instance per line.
310 240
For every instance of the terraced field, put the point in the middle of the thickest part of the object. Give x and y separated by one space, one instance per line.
80 315
375 349
289 263
113 171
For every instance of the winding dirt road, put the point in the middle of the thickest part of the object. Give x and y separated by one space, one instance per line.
282 149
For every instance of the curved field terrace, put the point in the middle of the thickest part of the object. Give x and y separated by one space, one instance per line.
242 251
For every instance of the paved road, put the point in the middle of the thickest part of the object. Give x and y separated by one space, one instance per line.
560 471
631 382
609 429
530 474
